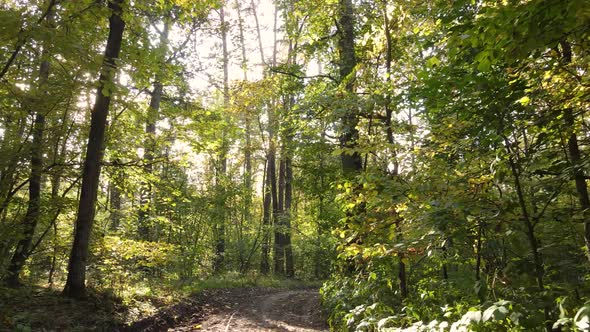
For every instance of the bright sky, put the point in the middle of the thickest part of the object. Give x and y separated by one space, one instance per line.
207 52
208 48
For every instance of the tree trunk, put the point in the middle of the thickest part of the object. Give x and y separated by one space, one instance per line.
266 214
146 200
478 249
115 205
579 176
402 277
31 219
221 174
55 185
529 226
289 264
576 156
75 283
247 189
13 136
279 249
352 162
23 38
272 178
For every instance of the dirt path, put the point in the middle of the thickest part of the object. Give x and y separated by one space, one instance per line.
258 310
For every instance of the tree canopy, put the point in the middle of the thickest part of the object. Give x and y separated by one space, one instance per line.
427 161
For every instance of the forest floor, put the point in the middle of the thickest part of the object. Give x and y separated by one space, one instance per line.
242 310
288 307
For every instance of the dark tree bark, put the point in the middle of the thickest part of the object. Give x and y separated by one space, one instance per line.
575 155
579 176
352 162
75 283
21 253
266 215
279 247
289 263
272 179
31 220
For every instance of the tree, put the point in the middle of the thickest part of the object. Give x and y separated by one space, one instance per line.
75 284
351 158
146 199
221 171
22 251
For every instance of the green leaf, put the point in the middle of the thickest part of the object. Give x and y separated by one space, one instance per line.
432 62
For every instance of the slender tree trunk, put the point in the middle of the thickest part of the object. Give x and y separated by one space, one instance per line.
115 205
579 176
75 283
478 248
402 277
272 178
60 147
150 146
247 192
31 219
289 264
266 215
55 185
279 249
576 156
222 173
12 137
529 227
267 192
23 38
242 40
258 31
445 255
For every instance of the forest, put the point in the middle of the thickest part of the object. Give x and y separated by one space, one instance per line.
409 165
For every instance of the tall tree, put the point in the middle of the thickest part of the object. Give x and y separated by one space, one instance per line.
575 155
76 281
221 172
351 159
31 219
146 199
402 277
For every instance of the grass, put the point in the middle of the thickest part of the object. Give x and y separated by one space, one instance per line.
37 308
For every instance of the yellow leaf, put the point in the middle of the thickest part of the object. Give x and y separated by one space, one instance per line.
524 100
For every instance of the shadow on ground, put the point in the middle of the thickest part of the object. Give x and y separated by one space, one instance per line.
43 309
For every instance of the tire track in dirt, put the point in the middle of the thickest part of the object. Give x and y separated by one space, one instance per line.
260 310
